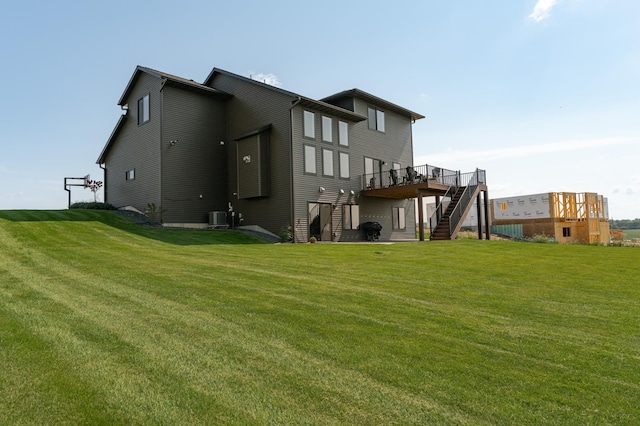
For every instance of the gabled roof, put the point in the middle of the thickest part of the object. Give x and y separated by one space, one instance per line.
112 137
169 79
303 100
361 94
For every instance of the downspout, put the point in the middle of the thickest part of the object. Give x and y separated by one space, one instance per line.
161 166
292 198
104 179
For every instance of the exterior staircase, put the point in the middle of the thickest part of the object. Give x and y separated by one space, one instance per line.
442 229
451 220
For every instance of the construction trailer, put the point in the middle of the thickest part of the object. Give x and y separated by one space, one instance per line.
566 216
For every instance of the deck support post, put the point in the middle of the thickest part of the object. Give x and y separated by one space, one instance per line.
420 217
487 221
479 214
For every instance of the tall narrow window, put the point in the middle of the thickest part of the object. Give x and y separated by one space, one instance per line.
309 125
310 159
376 119
343 133
327 129
143 109
344 165
398 220
350 216
327 162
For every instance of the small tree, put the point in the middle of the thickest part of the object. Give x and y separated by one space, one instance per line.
94 186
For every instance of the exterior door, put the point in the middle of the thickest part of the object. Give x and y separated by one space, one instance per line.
320 221
373 172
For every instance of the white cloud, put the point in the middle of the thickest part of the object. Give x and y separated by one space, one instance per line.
458 156
542 10
269 79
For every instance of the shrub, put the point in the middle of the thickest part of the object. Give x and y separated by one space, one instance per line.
92 205
543 239
285 234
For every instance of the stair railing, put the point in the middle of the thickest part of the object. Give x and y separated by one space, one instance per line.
435 218
472 181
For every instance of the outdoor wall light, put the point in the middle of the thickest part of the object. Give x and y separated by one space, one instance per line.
352 192
173 142
221 142
321 189
342 191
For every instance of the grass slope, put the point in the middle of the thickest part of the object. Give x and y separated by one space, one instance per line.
105 322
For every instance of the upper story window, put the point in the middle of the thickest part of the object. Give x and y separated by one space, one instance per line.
310 159
376 119
143 109
327 162
309 125
327 129
343 133
344 165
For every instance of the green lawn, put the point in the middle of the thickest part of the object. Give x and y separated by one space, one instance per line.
106 322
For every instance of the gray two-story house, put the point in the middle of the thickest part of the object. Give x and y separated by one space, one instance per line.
244 152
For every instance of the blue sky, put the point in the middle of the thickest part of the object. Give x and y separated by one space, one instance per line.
544 95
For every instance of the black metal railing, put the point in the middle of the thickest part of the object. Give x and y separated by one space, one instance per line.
468 181
409 175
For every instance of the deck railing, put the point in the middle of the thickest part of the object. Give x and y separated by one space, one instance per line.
468 181
409 175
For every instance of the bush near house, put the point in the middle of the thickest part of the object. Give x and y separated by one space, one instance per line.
108 322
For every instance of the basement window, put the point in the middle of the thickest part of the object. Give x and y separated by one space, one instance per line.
398 219
566 232
350 216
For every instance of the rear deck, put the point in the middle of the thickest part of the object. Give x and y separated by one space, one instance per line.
427 181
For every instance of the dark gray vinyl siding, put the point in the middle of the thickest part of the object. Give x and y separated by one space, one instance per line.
307 187
253 166
136 147
194 168
253 106
394 145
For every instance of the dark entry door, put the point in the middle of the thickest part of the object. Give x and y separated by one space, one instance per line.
320 221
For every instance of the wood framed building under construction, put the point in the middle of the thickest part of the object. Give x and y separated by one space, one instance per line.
566 216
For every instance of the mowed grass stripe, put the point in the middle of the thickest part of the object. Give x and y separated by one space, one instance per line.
64 287
333 333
